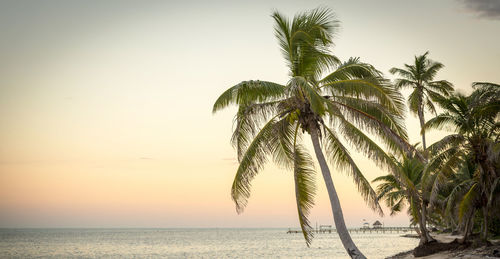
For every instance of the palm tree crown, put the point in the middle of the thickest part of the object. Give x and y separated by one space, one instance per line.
420 77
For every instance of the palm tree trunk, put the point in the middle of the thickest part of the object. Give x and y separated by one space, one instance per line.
422 123
484 234
417 229
338 217
425 237
468 227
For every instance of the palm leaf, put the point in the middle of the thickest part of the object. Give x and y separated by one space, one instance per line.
305 189
247 122
248 92
446 142
376 126
251 163
368 89
362 143
340 157
467 201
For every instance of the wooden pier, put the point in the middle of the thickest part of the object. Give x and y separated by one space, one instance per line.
329 229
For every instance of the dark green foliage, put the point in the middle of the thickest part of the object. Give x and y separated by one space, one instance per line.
469 160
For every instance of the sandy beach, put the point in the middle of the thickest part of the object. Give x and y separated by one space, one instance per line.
469 253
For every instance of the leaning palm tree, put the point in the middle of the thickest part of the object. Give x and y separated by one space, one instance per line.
351 101
476 121
420 77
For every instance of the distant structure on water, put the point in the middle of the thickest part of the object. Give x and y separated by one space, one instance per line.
377 228
377 224
366 225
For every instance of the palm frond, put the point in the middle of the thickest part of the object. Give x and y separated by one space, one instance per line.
446 142
442 87
247 121
494 86
248 92
282 33
439 122
455 194
415 101
439 162
431 69
251 163
388 117
467 201
351 69
340 157
408 76
371 88
374 125
305 189
362 143
402 83
305 41
397 207
286 133
429 105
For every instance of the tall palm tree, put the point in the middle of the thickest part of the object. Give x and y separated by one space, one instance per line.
351 101
420 76
476 120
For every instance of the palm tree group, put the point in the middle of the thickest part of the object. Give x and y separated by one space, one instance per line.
474 147
461 178
337 104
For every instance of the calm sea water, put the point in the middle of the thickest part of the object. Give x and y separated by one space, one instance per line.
188 243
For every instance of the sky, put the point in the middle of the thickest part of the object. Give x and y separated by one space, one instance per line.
105 106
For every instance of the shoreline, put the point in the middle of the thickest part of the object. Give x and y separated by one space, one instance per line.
469 253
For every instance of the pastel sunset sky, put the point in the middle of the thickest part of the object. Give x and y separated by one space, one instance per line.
106 106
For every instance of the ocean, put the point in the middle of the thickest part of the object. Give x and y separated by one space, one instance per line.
190 243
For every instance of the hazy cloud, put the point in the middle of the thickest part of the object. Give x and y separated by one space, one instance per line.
489 9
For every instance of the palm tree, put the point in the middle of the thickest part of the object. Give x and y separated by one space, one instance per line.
400 188
475 119
420 77
351 101
403 186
